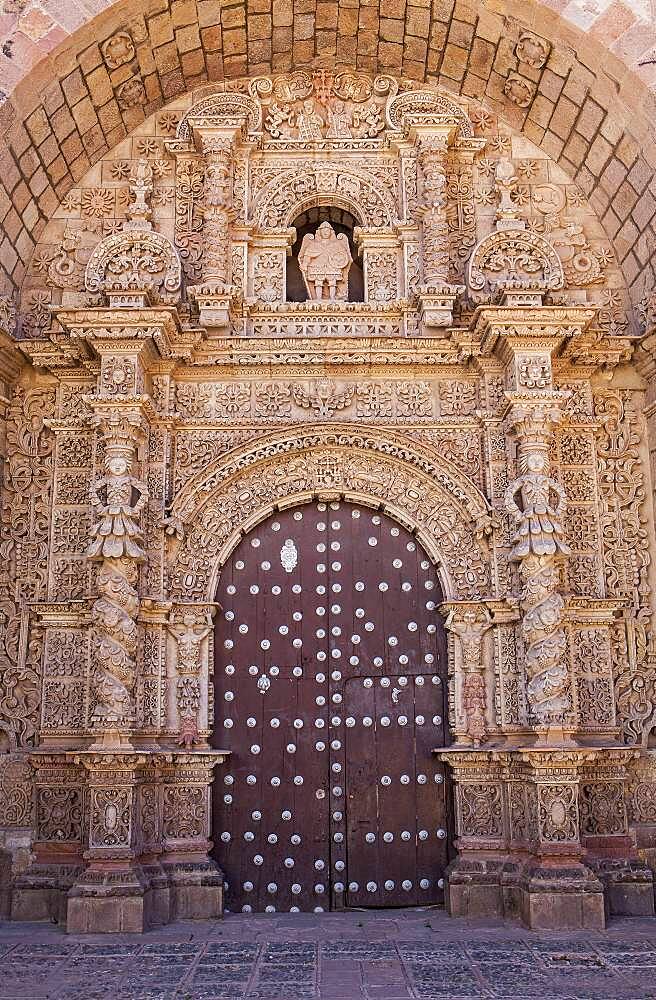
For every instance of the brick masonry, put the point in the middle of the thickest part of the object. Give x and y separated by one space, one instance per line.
77 89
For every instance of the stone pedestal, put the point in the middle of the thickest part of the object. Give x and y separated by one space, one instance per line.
123 841
542 837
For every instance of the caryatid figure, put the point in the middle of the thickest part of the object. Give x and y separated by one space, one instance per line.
325 260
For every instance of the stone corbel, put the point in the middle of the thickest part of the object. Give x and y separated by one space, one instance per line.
189 653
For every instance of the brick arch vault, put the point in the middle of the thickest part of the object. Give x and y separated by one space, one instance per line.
581 86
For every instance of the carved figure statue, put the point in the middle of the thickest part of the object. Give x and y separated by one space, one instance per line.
470 630
538 546
340 122
189 633
538 519
116 542
325 260
310 124
116 532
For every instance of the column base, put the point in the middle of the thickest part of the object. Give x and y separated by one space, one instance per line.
41 892
107 902
474 889
541 898
628 887
561 899
196 890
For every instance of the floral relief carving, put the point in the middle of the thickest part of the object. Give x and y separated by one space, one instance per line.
59 814
602 808
118 50
16 791
185 812
532 50
26 495
480 810
557 812
273 400
519 90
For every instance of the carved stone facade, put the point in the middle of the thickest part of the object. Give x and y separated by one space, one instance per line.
460 354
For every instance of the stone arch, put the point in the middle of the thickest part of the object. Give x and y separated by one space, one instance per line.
422 491
290 193
585 104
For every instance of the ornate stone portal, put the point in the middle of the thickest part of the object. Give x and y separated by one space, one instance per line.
490 391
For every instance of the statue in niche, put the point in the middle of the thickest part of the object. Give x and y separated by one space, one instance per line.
325 260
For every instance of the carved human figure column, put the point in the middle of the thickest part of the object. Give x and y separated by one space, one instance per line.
525 339
437 295
432 191
215 291
215 262
536 503
116 544
469 623
190 627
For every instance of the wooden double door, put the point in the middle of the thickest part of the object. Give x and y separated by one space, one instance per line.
330 693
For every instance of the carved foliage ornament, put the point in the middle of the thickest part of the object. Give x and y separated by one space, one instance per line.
516 258
135 261
415 106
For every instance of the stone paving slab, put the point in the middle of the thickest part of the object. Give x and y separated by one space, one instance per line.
388 955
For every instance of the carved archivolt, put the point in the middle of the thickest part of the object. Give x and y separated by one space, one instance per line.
429 495
290 191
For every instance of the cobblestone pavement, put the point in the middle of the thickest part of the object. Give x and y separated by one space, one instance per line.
388 955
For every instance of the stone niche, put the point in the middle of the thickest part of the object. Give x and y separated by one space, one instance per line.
461 354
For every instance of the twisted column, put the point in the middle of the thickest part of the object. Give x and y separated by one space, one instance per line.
116 543
536 503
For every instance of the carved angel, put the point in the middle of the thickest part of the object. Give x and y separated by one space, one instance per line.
538 515
325 260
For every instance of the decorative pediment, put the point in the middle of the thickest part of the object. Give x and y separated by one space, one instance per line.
135 266
229 107
513 260
415 106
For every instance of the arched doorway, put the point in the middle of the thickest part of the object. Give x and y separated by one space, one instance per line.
331 694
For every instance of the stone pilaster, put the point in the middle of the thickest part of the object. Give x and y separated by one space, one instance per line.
215 292
188 707
196 881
